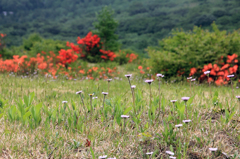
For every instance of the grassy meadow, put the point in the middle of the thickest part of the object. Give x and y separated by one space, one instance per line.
36 123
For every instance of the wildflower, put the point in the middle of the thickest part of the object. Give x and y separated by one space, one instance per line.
91 94
213 149
124 116
206 72
149 153
79 92
105 93
193 79
238 97
229 76
109 80
133 86
187 121
185 98
160 75
170 153
149 81
128 75
105 156
189 78
64 102
173 101
172 157
140 67
178 126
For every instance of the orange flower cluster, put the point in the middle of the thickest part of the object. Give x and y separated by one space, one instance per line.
67 56
219 71
142 71
54 65
108 55
1 37
131 57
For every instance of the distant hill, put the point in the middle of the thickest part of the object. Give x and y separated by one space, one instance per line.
141 22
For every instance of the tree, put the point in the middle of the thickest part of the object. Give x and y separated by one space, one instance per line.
105 28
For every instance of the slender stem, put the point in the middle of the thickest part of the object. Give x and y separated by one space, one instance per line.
232 88
209 86
91 103
133 97
150 95
104 101
186 110
108 85
159 94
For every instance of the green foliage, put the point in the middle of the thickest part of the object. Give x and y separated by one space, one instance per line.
105 28
185 50
141 22
35 44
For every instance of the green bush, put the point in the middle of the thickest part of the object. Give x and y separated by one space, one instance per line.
185 50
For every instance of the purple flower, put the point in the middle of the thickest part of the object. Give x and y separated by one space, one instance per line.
105 93
178 126
173 101
149 153
160 75
172 157
133 86
206 72
105 156
149 81
128 75
64 102
79 92
230 76
185 98
109 80
170 153
187 121
189 78
213 149
238 97
124 116
193 80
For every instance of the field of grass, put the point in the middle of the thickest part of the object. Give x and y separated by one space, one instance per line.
36 123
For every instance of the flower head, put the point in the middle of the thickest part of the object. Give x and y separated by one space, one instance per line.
187 121
178 126
173 101
133 86
149 81
91 94
79 92
124 116
160 75
172 157
230 76
189 78
170 153
149 153
64 102
238 97
185 98
213 149
105 156
128 75
193 79
105 93
206 72
109 80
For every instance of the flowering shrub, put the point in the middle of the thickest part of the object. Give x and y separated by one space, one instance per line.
1 43
125 56
54 65
218 71
90 49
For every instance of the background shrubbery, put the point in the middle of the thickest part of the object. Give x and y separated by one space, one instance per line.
177 54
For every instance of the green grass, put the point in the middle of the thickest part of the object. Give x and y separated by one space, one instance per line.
38 125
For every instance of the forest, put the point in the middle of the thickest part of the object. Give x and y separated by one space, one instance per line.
142 23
